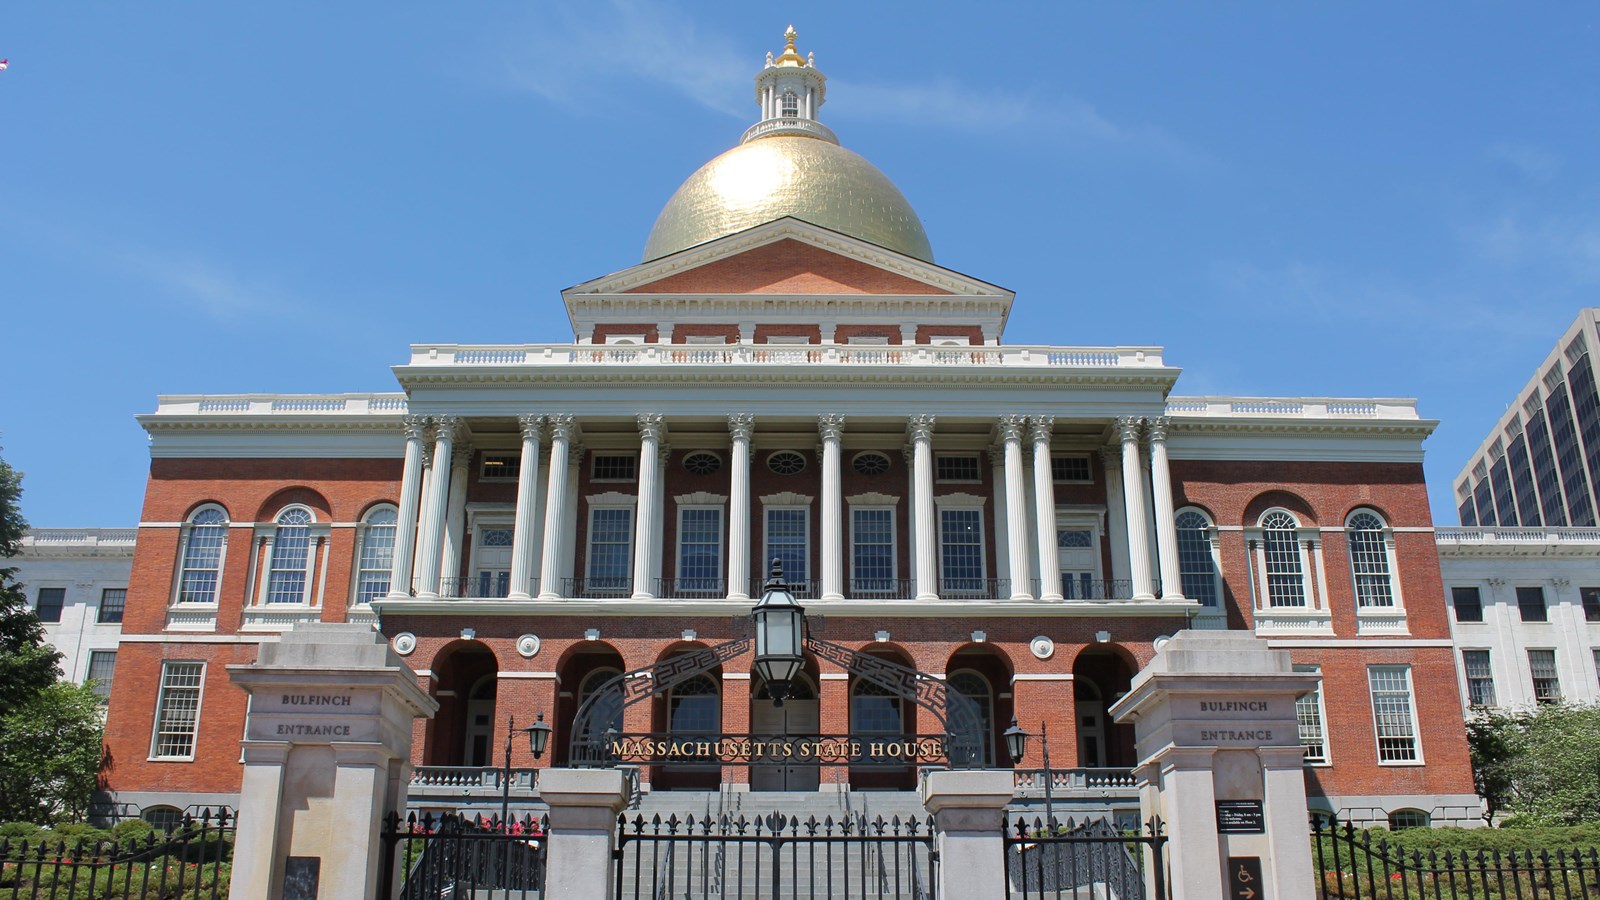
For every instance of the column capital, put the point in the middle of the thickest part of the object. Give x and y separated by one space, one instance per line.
651 426
830 426
920 428
997 456
562 426
741 426
415 427
1128 429
1157 428
446 423
461 458
1111 458
1010 427
1039 428
532 427
575 454
663 451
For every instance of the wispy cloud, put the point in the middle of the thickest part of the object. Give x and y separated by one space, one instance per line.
204 286
1526 161
1569 243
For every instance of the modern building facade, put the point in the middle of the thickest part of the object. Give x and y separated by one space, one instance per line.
76 579
789 375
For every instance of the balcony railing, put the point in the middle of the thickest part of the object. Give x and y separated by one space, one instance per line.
480 587
879 589
691 588
499 355
1447 537
498 587
458 781
975 587
1098 782
599 586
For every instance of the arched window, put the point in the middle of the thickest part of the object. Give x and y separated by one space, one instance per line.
695 707
1370 565
976 688
1401 819
163 818
1286 583
376 555
288 574
875 710
1197 567
608 710
791 105
204 544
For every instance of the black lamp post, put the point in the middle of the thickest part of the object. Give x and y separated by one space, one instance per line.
780 626
1016 744
538 738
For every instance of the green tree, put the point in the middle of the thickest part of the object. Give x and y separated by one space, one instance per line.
27 664
50 755
1542 765
1488 739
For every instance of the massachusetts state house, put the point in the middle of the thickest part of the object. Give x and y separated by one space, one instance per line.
788 374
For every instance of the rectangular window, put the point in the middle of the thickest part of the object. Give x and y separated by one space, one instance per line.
1313 723
178 710
610 539
1070 468
1530 602
1468 604
871 550
962 467
50 602
101 664
1480 677
112 601
700 549
500 467
1591 603
789 539
961 550
1546 681
614 467
1394 715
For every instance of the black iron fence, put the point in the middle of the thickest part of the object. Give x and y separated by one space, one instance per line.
775 856
453 856
1089 858
193 860
1356 864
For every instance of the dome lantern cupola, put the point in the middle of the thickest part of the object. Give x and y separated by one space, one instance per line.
789 91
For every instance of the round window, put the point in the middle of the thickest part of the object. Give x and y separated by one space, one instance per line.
702 463
786 462
871 463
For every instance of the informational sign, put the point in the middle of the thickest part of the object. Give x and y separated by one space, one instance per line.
301 875
1240 817
775 749
1244 878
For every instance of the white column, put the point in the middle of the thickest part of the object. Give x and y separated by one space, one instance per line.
1002 543
455 525
664 455
832 431
405 531
926 562
527 501
1116 513
1133 496
644 533
1166 516
555 512
569 523
1044 498
740 426
430 537
1017 508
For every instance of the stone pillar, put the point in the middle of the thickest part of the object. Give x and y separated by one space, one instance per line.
1044 498
326 749
927 544
740 427
527 504
1002 513
405 529
1133 496
1166 516
1116 515
584 804
649 513
968 809
430 533
832 430
1220 757
1017 508
455 525
555 512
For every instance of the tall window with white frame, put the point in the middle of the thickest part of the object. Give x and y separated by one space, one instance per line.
1369 560
289 573
1394 714
961 551
1313 719
610 543
699 550
102 663
788 534
376 556
1480 677
1197 565
1546 678
204 542
177 710
112 603
1286 579
872 564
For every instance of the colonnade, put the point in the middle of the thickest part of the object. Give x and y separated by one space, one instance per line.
426 557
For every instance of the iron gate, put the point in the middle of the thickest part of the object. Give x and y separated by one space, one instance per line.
452 856
1353 864
1091 858
777 857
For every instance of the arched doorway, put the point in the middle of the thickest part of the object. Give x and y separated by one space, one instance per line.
1099 679
879 714
691 709
477 744
983 674
465 677
582 673
800 715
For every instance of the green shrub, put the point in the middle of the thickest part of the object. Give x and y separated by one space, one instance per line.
19 830
131 829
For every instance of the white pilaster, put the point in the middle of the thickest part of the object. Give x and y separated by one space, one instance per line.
1016 506
405 531
926 562
832 430
455 525
1044 497
555 507
663 455
1133 496
1166 516
644 535
1002 542
1116 512
527 502
740 426
430 538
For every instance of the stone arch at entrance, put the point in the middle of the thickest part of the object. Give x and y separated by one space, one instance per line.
465 681
688 709
582 671
1100 676
983 673
800 715
876 710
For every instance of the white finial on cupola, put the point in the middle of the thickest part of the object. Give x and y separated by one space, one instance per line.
790 90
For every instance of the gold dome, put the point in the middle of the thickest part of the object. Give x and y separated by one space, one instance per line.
788 175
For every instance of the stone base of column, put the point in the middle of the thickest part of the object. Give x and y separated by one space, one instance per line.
1147 595
584 804
831 595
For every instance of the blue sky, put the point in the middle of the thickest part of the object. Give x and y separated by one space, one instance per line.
1354 199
